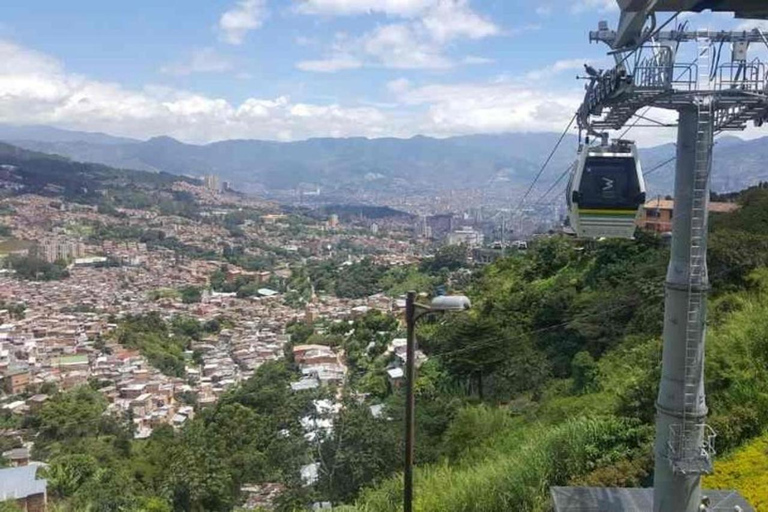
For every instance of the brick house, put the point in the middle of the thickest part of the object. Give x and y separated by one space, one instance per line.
657 213
16 381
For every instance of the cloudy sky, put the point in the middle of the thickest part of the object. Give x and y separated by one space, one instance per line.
205 70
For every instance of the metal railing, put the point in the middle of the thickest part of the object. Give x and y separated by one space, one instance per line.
691 448
742 76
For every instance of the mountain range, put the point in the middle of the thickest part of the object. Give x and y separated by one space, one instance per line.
387 165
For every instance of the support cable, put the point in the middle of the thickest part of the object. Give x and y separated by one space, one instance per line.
546 162
660 166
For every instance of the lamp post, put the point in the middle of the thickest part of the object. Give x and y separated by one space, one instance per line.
413 312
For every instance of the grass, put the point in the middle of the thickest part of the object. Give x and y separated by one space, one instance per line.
518 475
745 470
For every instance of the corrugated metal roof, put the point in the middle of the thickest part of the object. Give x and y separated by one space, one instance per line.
600 499
668 204
20 482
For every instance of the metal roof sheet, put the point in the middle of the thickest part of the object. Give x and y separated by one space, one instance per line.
20 482
605 499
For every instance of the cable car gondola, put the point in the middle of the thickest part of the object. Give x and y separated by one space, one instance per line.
606 191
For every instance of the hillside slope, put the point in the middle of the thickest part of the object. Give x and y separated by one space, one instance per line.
27 171
565 340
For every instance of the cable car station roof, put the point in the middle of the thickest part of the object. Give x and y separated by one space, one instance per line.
597 499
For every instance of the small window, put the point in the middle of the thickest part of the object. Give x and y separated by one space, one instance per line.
608 182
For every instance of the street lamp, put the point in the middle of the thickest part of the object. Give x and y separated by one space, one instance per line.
413 312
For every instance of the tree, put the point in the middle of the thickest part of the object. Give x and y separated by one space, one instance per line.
191 294
67 473
300 332
450 257
585 372
162 345
473 348
36 269
360 451
359 279
72 415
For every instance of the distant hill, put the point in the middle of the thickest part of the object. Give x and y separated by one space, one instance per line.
24 171
388 164
12 133
376 165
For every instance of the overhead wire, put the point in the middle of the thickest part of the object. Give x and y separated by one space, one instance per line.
582 316
659 166
546 163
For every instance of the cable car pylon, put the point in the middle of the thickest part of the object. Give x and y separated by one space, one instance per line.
713 94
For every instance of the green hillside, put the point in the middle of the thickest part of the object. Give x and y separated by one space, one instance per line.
550 379
564 346
89 183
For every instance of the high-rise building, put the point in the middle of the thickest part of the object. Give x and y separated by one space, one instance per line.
211 182
440 225
54 249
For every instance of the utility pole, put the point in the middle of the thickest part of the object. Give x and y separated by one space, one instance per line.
410 401
413 312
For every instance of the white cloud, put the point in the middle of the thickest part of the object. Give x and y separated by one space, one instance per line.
544 10
556 68
235 23
595 5
472 59
400 46
36 89
488 108
399 86
354 7
761 25
205 60
330 65
450 19
516 31
418 42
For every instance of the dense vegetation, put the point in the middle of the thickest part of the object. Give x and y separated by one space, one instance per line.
163 343
551 379
567 337
253 434
355 280
36 269
745 470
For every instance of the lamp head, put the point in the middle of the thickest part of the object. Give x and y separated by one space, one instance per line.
450 303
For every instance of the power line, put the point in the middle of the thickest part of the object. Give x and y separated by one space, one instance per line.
546 162
582 316
660 166
563 175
